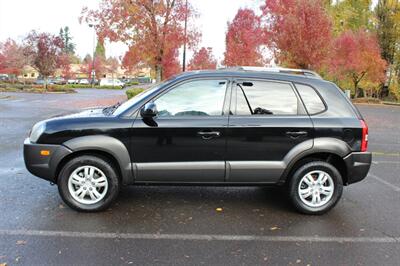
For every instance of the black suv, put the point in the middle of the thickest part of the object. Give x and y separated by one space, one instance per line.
223 127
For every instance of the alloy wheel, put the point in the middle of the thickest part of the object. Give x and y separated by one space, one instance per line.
87 184
316 188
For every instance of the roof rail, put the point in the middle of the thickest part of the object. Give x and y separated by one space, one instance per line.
304 72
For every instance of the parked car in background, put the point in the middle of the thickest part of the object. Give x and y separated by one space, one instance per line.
42 81
248 128
111 82
84 82
39 82
59 81
4 77
144 80
72 81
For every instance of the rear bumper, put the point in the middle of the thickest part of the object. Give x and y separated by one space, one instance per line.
357 164
43 166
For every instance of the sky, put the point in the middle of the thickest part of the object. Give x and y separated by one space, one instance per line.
18 17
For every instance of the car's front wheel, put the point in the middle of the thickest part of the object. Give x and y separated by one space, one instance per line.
315 187
88 183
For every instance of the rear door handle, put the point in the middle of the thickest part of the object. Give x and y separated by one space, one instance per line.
209 134
296 134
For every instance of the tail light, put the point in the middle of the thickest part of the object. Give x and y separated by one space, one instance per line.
364 140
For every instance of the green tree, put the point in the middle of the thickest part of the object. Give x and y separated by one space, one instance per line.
328 4
388 31
387 13
65 36
351 15
100 49
87 59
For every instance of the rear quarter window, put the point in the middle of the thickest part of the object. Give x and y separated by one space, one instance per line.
311 99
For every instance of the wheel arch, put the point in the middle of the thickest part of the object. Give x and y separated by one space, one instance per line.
329 150
108 147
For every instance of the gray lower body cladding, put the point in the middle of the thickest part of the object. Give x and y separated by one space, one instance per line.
358 165
235 172
44 166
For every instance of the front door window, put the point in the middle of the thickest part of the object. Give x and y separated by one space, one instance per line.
195 98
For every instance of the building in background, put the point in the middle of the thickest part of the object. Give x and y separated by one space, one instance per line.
28 74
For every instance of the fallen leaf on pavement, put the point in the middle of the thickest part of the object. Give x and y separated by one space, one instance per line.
21 242
218 209
274 228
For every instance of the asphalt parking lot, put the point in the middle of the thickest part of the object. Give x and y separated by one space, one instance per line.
181 225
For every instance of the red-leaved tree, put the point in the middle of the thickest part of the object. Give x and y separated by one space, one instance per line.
153 28
357 57
99 66
64 63
203 59
12 58
44 49
132 60
299 32
170 63
243 40
2 63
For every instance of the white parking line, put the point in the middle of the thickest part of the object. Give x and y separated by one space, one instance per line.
391 162
196 237
377 178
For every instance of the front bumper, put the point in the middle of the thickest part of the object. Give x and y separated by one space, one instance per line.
44 166
357 164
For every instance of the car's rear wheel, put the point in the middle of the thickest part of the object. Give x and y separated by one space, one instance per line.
88 183
315 187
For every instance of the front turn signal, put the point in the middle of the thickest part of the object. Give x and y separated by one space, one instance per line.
45 152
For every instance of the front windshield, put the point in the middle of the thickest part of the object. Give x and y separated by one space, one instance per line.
126 105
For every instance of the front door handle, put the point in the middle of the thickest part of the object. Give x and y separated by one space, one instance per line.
209 134
296 134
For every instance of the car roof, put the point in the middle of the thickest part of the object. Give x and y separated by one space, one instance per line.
240 73
303 72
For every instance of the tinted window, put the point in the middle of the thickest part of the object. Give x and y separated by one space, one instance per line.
195 98
265 98
311 99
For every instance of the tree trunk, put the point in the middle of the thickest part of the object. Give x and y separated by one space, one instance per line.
386 85
158 73
45 83
355 89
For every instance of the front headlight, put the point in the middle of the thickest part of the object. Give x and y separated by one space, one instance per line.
37 131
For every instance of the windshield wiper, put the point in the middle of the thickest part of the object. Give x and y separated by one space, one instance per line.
110 109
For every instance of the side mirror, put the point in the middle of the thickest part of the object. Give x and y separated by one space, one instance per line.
149 110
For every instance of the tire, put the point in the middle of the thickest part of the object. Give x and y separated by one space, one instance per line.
301 184
76 176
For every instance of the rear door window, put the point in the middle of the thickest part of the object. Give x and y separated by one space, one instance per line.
264 98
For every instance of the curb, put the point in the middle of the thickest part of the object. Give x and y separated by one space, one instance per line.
391 103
